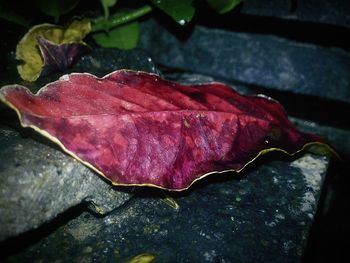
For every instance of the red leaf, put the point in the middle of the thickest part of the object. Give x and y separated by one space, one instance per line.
135 128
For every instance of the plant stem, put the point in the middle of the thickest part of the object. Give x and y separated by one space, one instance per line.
101 24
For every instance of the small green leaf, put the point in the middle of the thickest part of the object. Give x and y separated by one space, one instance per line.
122 37
56 8
170 202
181 11
106 4
142 258
223 6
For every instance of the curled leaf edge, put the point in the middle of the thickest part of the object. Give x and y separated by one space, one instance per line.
29 33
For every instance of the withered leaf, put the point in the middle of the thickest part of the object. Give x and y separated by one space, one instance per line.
135 128
32 53
59 57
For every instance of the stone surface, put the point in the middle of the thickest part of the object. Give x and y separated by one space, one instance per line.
104 61
262 215
266 61
338 138
334 12
37 180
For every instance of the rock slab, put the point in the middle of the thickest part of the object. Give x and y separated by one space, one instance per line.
38 182
263 216
268 62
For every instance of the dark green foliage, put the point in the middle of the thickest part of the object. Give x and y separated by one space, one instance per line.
117 26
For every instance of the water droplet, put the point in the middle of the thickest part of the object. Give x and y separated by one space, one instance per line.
182 22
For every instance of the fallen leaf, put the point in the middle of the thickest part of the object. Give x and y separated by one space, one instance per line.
31 55
135 128
170 202
142 258
59 57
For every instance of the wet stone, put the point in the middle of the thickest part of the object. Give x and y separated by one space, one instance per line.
38 182
268 62
268 209
104 61
327 11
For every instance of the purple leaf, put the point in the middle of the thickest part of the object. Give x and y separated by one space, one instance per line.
60 56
